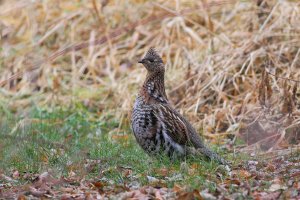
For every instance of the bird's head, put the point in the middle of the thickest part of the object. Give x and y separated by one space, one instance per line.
152 61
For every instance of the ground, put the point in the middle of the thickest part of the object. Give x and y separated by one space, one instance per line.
66 154
69 76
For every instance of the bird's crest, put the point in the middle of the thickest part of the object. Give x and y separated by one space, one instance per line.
152 54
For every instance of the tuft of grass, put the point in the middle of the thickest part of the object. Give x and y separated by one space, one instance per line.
73 142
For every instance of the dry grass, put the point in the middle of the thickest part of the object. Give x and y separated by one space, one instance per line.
61 52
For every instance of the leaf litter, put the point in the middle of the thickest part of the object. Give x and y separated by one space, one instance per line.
240 64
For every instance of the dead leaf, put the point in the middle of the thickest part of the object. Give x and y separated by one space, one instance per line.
22 197
16 174
206 195
162 172
36 192
120 137
274 187
241 174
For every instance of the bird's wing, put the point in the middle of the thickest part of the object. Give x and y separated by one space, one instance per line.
177 127
172 124
181 131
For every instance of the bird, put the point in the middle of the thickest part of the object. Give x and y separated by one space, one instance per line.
158 128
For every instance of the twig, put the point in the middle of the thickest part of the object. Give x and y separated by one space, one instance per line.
289 79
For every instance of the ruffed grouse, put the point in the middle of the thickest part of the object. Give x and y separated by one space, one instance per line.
157 126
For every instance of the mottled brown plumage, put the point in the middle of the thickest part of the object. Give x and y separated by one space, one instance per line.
157 126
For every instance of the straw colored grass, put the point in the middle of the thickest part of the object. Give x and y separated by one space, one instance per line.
65 52
69 77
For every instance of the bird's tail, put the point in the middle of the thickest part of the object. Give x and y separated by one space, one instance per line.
213 156
208 153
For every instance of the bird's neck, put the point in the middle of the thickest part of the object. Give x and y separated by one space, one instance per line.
154 87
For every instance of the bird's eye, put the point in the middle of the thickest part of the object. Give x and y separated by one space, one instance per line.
151 60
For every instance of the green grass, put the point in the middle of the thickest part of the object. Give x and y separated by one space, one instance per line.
94 147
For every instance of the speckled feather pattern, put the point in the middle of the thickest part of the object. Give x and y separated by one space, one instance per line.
157 126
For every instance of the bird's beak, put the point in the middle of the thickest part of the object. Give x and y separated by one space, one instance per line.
141 61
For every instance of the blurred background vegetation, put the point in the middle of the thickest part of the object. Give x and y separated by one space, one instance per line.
69 52
69 73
